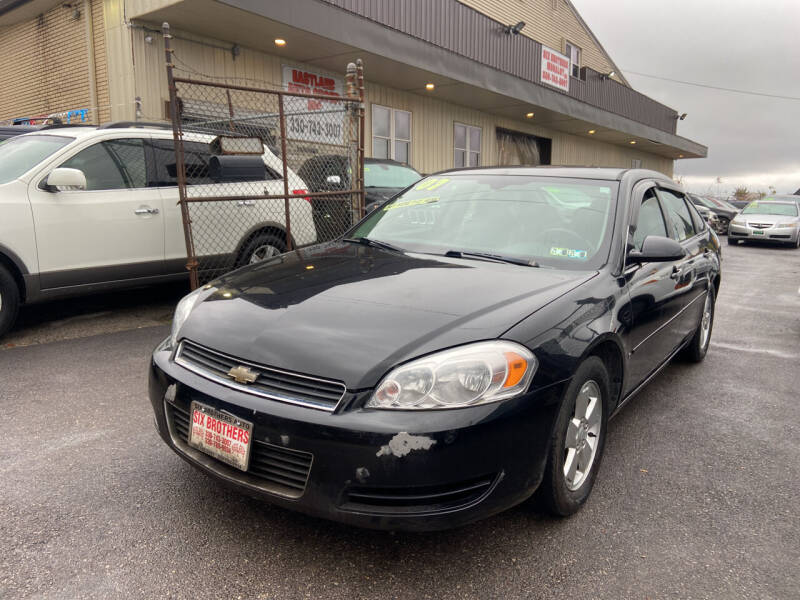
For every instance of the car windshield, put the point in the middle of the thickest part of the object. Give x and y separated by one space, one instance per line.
557 222
785 209
389 176
19 155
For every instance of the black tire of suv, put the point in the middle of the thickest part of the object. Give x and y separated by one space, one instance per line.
9 300
724 224
256 242
553 492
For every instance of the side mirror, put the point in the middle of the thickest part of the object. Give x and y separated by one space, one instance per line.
63 180
334 179
657 249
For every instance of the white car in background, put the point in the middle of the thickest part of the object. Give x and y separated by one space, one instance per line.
86 209
774 219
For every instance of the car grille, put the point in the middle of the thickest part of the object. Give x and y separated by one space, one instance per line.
275 384
411 500
759 225
285 470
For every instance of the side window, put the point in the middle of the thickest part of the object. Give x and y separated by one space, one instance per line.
196 157
697 218
679 215
651 220
112 165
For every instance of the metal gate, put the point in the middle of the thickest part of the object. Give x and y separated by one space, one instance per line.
259 171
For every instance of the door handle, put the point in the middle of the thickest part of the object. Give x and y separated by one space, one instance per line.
245 203
146 211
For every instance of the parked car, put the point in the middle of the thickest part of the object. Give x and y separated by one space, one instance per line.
709 217
776 219
725 214
461 348
86 209
333 215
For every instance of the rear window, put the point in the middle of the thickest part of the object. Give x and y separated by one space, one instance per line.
195 155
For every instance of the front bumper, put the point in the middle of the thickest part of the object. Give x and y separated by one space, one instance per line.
769 234
395 470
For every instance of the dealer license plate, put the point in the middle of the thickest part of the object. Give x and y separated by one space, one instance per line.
221 435
758 232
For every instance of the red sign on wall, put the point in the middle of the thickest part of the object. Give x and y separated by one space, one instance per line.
555 69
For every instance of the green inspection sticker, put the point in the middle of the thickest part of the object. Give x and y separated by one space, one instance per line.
569 253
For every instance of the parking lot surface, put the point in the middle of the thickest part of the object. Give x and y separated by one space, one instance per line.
696 497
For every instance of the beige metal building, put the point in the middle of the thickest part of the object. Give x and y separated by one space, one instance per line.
449 82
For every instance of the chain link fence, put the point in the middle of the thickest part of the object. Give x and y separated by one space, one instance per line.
261 172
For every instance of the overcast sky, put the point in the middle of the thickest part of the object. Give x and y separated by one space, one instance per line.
749 45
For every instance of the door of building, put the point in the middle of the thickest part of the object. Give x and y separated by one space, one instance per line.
516 148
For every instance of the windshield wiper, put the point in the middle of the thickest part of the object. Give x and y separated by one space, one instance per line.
365 241
525 262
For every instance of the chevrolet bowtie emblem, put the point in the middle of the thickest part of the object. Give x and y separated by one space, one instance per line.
241 374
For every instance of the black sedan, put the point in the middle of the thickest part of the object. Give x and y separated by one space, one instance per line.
460 350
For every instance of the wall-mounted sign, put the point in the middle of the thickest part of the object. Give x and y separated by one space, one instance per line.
311 119
555 69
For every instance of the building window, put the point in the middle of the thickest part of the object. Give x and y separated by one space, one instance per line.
467 145
574 54
391 133
636 163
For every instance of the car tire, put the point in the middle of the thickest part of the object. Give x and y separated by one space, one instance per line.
9 300
260 247
732 241
698 346
724 224
577 426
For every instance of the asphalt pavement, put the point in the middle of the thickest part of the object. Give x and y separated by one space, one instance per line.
696 498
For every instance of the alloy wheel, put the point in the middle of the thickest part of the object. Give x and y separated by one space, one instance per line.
705 322
583 435
263 252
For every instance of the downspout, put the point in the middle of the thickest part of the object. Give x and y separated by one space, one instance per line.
90 60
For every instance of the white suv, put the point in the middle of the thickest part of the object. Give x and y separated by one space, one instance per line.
109 217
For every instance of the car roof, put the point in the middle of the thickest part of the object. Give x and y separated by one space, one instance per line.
603 173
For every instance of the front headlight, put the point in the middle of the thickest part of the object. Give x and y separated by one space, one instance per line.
478 373
184 309
738 221
791 225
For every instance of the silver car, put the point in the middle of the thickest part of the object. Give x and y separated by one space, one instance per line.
775 219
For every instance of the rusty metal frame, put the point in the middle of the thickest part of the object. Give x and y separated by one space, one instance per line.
355 99
177 136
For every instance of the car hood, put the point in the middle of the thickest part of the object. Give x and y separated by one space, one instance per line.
349 312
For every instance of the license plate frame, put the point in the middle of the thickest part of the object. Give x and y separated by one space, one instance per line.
220 435
758 232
